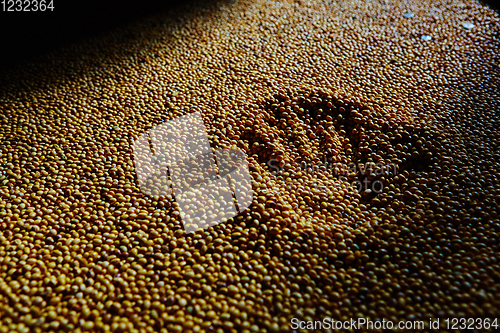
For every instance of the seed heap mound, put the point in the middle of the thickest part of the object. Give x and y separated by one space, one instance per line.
83 249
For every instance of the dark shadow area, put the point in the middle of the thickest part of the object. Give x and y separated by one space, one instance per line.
492 3
26 35
37 48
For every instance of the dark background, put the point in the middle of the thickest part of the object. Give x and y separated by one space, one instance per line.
25 35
